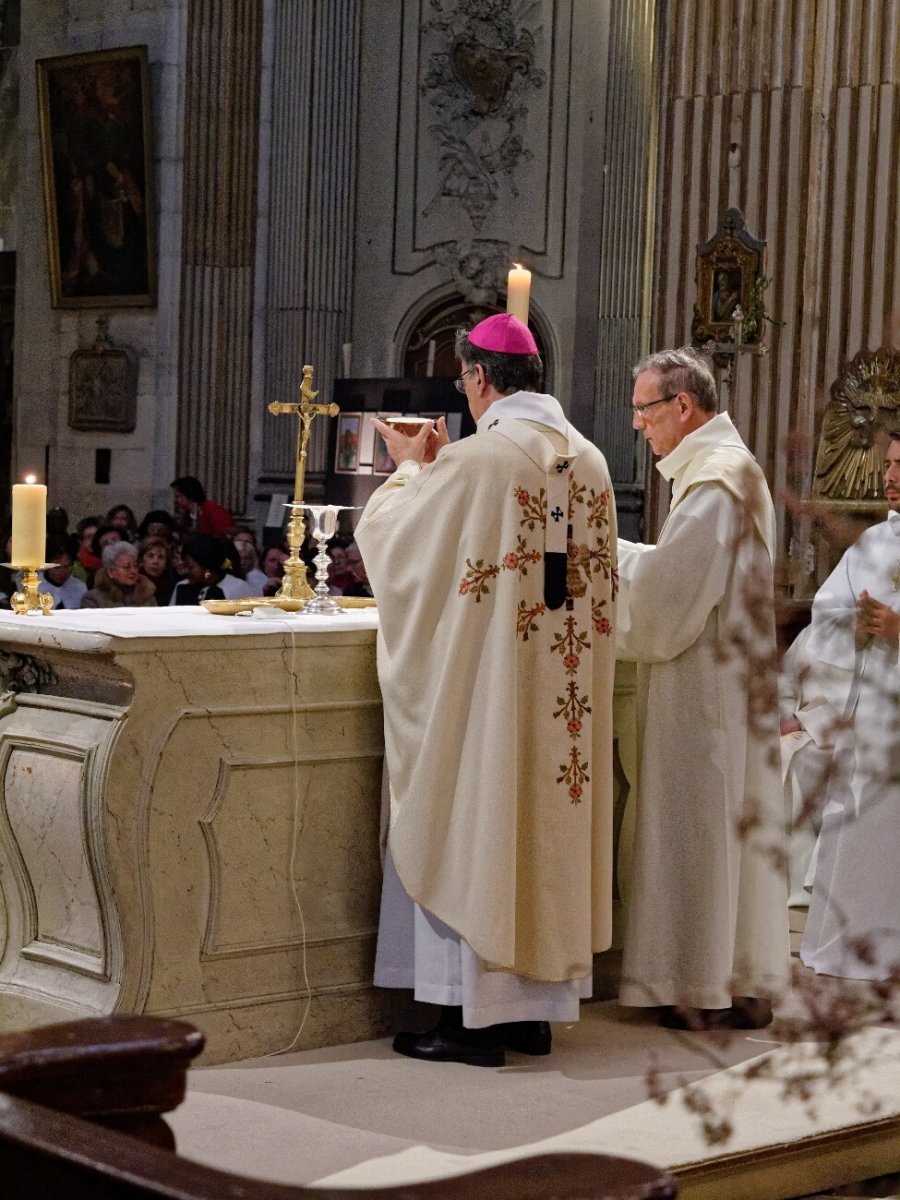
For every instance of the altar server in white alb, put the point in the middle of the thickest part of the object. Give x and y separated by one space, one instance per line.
853 928
706 928
494 570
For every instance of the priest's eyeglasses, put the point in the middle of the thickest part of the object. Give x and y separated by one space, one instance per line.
460 384
637 410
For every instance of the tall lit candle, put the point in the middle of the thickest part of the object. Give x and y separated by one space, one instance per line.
518 292
29 523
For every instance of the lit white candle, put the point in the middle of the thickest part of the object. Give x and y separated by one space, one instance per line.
29 523
518 292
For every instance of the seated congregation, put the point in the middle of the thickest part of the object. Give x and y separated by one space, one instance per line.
194 553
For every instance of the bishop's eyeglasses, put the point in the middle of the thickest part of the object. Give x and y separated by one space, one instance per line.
460 383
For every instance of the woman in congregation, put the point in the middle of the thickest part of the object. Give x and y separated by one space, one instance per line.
155 562
208 563
119 584
273 568
88 563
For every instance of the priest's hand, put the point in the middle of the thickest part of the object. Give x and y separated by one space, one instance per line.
874 619
405 449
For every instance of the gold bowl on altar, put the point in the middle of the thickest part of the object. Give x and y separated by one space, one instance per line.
231 608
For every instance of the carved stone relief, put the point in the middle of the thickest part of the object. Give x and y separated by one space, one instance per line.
480 73
23 673
482 136
478 269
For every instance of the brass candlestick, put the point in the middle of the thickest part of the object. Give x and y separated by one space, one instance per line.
295 585
29 599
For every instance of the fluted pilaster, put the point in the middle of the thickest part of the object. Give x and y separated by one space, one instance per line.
217 278
311 227
625 248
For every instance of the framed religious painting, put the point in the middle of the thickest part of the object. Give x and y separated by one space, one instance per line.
729 266
95 125
346 456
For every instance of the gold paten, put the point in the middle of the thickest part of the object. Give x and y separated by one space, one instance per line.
230 608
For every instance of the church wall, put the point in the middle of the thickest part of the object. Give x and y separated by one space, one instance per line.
791 112
223 73
308 247
142 462
9 120
455 185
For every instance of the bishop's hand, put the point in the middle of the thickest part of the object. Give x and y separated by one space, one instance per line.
422 448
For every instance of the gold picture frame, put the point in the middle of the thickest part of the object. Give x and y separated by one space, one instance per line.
96 148
728 267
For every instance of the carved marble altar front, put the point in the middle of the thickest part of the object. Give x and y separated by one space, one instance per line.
173 785
162 798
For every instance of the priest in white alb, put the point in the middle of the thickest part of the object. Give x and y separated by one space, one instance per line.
706 935
493 564
853 929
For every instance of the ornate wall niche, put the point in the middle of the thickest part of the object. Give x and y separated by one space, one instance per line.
728 266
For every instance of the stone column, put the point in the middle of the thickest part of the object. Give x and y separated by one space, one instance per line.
627 115
222 81
312 213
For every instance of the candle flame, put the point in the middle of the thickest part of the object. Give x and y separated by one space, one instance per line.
31 478
518 266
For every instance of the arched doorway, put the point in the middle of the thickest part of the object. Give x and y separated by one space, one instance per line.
428 349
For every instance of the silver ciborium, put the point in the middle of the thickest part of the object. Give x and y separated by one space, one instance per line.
323 523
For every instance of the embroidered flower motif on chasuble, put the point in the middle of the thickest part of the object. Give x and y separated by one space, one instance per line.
583 561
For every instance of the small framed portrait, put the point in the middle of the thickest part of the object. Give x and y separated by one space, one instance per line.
728 267
346 455
94 112
103 389
382 463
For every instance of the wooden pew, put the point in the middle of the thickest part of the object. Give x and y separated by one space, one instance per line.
81 1118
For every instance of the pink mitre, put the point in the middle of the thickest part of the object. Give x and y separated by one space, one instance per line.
505 333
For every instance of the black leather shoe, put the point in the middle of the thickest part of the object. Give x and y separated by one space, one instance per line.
527 1037
476 1047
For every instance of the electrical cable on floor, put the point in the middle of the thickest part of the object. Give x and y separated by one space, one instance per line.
294 839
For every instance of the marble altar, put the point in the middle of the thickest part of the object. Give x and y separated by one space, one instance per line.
164 776
189 823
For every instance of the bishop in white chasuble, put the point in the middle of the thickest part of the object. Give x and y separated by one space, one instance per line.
494 570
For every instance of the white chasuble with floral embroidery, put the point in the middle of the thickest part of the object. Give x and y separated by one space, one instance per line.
494 571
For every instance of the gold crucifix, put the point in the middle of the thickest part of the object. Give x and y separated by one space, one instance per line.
305 410
295 585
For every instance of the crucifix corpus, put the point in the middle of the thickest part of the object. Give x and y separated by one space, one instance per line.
295 585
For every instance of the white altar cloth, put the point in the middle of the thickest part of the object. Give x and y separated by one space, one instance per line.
173 621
